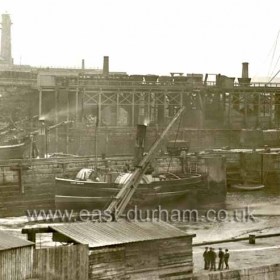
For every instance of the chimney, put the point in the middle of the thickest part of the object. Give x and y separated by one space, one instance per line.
245 70
106 65
245 80
6 45
83 64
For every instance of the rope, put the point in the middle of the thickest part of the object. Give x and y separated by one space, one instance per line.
274 50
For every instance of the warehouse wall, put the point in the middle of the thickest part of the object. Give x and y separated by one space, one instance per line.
16 264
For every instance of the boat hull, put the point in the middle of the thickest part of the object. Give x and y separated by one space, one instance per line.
243 187
15 151
175 193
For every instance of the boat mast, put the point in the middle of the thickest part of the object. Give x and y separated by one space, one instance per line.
120 201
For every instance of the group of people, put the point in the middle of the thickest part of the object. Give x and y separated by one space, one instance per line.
210 257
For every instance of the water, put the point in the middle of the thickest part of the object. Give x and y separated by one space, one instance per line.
263 205
264 198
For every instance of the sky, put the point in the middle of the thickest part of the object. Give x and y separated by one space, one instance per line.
148 36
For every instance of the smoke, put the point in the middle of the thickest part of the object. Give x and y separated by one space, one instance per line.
53 116
146 121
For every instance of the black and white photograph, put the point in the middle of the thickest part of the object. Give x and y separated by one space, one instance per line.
139 140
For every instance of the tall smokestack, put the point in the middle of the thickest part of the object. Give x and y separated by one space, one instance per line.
245 70
83 64
245 80
6 45
106 65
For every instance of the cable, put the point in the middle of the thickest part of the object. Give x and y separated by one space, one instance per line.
273 77
274 50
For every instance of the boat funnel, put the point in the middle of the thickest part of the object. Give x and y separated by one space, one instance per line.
140 142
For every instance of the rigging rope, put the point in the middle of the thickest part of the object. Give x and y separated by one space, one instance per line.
273 54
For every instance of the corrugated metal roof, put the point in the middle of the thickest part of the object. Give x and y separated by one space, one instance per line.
8 241
114 233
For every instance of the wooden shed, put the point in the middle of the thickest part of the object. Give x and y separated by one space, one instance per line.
132 250
15 257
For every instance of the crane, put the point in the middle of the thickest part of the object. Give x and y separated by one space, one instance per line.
121 200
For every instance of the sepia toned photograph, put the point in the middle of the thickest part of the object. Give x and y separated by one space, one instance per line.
139 140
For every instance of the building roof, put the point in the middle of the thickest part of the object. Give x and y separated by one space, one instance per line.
116 233
8 241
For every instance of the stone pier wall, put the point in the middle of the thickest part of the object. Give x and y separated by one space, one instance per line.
30 184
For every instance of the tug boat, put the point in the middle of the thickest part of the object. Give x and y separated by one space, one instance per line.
91 190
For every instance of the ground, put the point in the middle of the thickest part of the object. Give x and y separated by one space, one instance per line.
244 255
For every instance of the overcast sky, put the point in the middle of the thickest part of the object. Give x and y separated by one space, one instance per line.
148 36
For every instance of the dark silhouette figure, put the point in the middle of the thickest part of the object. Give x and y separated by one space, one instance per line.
221 259
226 258
206 258
213 257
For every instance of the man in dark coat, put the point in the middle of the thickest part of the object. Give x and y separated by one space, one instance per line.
206 258
213 257
226 258
221 259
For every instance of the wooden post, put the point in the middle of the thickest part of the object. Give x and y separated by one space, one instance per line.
245 110
202 106
262 177
118 108
259 110
68 117
270 111
99 106
164 107
148 115
77 105
252 239
56 117
229 110
40 102
31 236
133 109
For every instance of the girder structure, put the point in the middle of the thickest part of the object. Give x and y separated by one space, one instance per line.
139 104
127 103
256 107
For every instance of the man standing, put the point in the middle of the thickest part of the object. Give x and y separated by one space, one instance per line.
221 259
213 257
226 257
206 258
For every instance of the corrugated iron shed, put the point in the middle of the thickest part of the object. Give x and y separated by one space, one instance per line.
8 241
116 233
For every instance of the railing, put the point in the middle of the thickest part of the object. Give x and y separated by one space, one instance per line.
75 82
253 84
17 81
